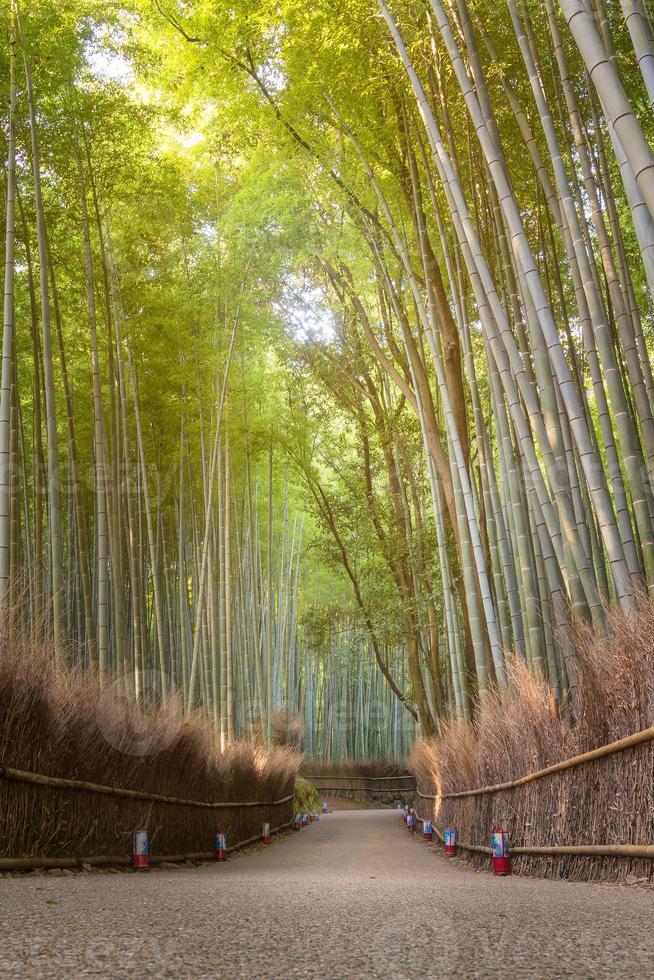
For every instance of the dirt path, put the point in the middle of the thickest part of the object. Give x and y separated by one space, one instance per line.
350 896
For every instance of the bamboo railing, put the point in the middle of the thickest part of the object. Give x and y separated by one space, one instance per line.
9 774
591 850
578 760
363 784
58 782
26 863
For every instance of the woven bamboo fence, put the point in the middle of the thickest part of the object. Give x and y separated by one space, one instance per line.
589 817
82 766
50 821
363 786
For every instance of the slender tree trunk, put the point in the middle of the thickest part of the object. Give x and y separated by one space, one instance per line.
8 327
55 533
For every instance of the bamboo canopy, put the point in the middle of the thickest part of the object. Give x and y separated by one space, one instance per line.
326 382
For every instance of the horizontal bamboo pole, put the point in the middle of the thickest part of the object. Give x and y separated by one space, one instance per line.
372 779
364 789
590 850
597 850
466 847
59 782
624 743
103 860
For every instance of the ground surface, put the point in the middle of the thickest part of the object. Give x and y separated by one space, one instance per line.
350 896
339 803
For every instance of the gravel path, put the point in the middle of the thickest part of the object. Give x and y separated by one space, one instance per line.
350 896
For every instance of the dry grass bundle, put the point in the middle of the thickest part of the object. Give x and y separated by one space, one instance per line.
65 725
606 801
288 729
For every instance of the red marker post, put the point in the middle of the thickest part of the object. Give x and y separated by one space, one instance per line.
501 852
140 850
221 847
266 836
449 836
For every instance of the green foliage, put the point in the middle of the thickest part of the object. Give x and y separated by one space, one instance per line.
306 796
226 154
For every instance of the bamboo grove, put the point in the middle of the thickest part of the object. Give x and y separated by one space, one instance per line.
326 367
148 531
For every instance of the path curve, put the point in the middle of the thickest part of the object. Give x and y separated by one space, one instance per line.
351 896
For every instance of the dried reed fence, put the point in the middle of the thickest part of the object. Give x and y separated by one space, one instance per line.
159 770
606 800
376 779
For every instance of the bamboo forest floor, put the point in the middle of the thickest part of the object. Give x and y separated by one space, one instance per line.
350 896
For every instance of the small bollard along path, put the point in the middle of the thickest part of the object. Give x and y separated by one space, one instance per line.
353 895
